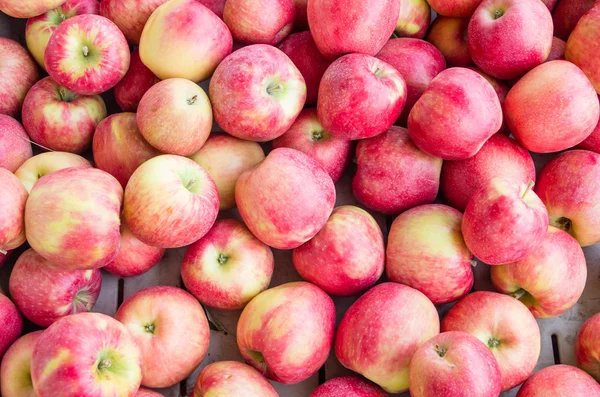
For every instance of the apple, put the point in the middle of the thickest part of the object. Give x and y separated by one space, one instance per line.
170 202
347 256
308 135
15 372
259 21
88 354
12 324
129 15
147 393
72 218
360 97
449 35
434 123
557 51
18 72
170 45
27 8
586 348
138 79
46 163
59 119
560 380
348 386
592 142
454 364
454 8
231 378
301 22
15 146
227 267
582 45
414 19
286 332
501 87
225 158
44 292
366 26
12 202
216 6
166 319
566 15
508 38
256 93
286 199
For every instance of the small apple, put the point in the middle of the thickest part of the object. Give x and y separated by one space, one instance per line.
231 378
414 19
138 79
566 15
259 21
582 46
348 386
12 324
46 163
12 202
129 15
449 35
560 380
587 353
15 146
557 51
27 8
18 72
15 371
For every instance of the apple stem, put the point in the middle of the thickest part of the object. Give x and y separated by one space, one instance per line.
498 14
440 351
473 262
106 363
222 259
149 328
63 17
317 135
85 50
518 294
274 88
529 186
192 100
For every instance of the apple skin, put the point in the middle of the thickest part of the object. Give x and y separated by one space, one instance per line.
237 93
433 123
227 267
300 198
12 202
558 381
414 19
348 386
566 15
72 218
557 51
360 97
347 256
592 142
18 72
46 163
366 26
166 319
449 36
136 82
225 158
454 364
170 202
129 15
169 44
286 332
231 378
44 293
147 393
500 156
15 147
501 87
27 8
66 352
59 119
216 6
12 323
586 347
426 251
308 136
259 21
15 373
454 8
582 45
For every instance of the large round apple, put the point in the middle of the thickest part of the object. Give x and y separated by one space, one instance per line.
582 46
348 386
232 378
12 323
15 370
12 202
136 82
560 380
46 163
15 146
259 21
586 347
129 15
18 72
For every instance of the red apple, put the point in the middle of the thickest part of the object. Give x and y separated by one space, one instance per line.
46 163
582 46
557 51
259 21
301 22
15 372
216 6
18 72
12 324
138 79
348 386
586 347
27 8
501 87
147 393
231 378
558 381
550 4
566 15
129 15
592 142
455 8
12 202
15 147
414 19
449 35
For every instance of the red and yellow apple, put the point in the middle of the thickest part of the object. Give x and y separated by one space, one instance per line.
12 202
259 21
587 351
449 35
129 15
501 87
583 45
15 370
46 163
15 147
348 386
132 87
27 8
18 72
558 381
414 19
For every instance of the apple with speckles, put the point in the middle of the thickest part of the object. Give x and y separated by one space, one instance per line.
15 370
414 19
12 202
559 381
18 72
46 163
132 87
582 45
348 386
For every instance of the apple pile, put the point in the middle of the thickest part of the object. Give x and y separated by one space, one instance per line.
435 121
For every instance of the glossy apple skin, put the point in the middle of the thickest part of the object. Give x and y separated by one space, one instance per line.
582 45
286 199
59 119
348 386
567 186
454 8
426 251
286 332
67 351
449 35
27 9
166 319
232 378
433 122
72 218
15 147
514 43
12 324
500 156
12 202
15 372
454 364
225 158
308 136
566 15
170 202
557 51
129 15
587 353
138 79
558 381
46 163
18 72
227 267
259 21
169 44
237 93
44 293
414 19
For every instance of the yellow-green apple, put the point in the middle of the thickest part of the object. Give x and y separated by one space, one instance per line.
587 352
12 202
393 175
508 38
86 354
449 35
348 386
455 8
39 29
259 21
566 15
87 54
559 381
301 21
367 25
72 218
414 19
166 319
130 15
15 370
552 108
59 119
138 79
454 364
557 51
147 393
426 251
567 186
286 332
381 331
503 324
456 115
501 87
170 202
308 135
583 45
225 158
216 6
418 62
302 50
44 292
46 163
18 72
27 8
175 108
15 147
12 323
347 256
300 198
256 93
227 267
169 45
500 156
232 378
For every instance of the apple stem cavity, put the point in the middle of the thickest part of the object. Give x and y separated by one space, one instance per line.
259 359
529 186
62 17
150 328
85 50
440 351
518 294
493 342
317 136
274 88
563 224
192 100
190 184
104 364
498 14
222 259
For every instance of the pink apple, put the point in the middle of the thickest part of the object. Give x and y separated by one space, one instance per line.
566 15
44 292
227 267
582 46
286 332
301 22
12 324
12 202
18 72
216 6
501 87
449 35
231 378
129 15
256 93
455 8
259 21
286 199
557 51
560 380
414 19
15 147
138 79
586 347
348 386
46 163
15 372
308 135
166 319
27 8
